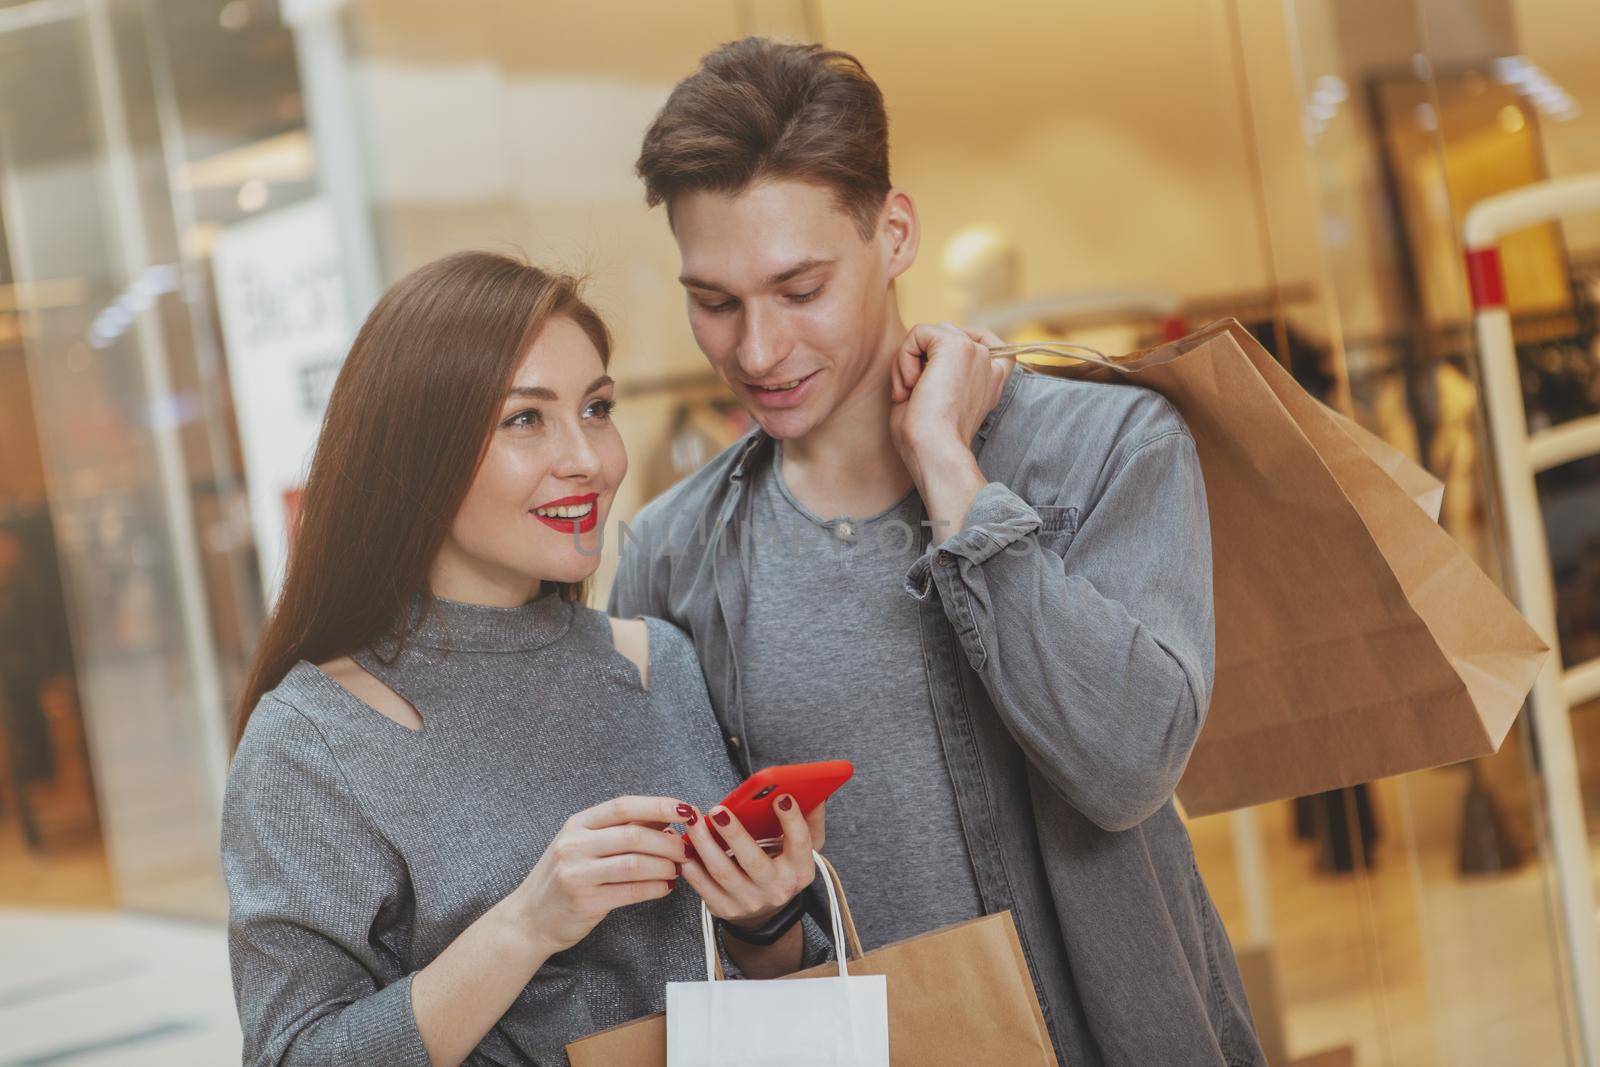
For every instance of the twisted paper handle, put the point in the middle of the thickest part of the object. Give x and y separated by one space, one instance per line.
1061 353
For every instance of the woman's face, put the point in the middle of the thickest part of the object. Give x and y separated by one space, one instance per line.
538 505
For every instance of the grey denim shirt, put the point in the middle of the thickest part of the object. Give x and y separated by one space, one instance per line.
1067 635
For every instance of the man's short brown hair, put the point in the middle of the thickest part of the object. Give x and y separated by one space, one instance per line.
757 109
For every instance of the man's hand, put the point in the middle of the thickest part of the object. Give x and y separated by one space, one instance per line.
944 382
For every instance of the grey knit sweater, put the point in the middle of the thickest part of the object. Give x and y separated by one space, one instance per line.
356 850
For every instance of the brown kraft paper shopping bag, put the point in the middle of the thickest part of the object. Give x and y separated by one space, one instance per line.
957 996
1355 639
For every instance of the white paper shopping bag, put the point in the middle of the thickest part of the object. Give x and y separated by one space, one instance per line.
782 1022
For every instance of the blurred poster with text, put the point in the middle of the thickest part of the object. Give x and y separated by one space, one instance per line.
280 295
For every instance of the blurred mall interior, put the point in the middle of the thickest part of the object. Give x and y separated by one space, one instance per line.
199 200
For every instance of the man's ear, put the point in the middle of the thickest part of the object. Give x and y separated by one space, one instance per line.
899 232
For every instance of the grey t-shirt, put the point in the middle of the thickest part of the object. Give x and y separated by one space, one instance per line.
835 671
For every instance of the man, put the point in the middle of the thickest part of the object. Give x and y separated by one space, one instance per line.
988 588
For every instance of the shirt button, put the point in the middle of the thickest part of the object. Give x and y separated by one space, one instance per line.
843 531
734 742
945 558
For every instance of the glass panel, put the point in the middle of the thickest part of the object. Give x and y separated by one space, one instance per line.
1555 76
129 461
50 846
1407 127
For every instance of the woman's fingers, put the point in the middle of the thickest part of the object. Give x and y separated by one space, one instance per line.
717 864
817 824
633 867
797 840
620 840
796 867
620 810
611 897
776 879
755 863
721 904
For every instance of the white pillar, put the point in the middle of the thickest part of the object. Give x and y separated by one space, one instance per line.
335 123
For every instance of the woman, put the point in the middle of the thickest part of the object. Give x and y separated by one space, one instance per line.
444 827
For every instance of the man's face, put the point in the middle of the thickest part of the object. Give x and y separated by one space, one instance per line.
785 298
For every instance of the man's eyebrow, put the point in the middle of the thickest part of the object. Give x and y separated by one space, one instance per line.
539 392
798 269
691 282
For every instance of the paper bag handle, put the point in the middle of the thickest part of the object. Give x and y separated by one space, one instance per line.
852 938
1065 351
844 925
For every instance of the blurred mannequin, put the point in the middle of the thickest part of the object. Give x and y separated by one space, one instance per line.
979 268
981 276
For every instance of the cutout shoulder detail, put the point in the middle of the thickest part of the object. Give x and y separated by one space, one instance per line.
370 691
632 638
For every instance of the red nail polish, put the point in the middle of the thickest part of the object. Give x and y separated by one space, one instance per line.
685 811
689 851
785 803
721 818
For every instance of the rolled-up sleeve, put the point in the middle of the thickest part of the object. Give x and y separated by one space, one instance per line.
1100 659
308 880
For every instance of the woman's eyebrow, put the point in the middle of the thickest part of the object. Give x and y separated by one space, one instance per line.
539 392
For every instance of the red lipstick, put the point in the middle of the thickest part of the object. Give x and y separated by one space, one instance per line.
572 525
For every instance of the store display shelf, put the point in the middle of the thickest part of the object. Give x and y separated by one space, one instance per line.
1564 443
1581 684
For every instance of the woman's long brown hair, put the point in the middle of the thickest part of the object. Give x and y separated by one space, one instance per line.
407 425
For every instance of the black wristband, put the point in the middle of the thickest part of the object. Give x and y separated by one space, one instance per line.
771 930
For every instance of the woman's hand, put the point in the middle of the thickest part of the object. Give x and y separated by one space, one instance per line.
605 857
750 888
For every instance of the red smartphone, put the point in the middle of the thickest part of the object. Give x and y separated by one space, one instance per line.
809 783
